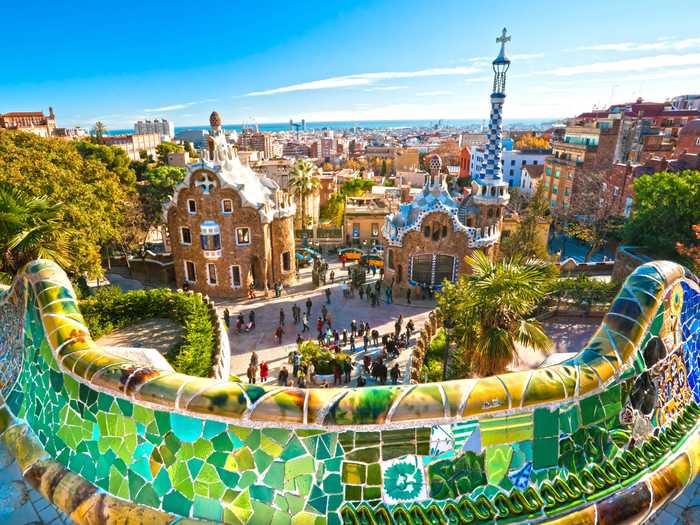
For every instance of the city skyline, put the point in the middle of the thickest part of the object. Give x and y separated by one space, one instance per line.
374 62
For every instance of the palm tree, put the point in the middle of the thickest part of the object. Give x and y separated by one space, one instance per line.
303 181
30 228
100 130
495 302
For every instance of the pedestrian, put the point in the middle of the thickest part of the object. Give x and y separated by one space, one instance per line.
295 314
300 340
382 372
366 362
310 374
263 372
283 376
337 374
342 260
281 317
305 322
375 337
361 381
362 293
352 342
378 286
227 319
365 342
336 337
328 295
347 369
252 372
254 359
296 363
353 327
345 337
395 372
251 319
374 271
324 311
308 307
251 291
332 276
408 296
319 325
278 334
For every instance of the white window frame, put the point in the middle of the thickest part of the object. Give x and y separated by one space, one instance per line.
182 237
249 236
194 268
216 279
223 211
189 209
240 276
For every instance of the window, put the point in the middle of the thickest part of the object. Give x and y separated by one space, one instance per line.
556 174
429 269
426 232
535 162
390 259
185 236
523 162
555 189
235 276
511 172
444 268
567 191
548 171
571 175
375 229
286 261
191 206
628 206
422 268
190 273
211 274
242 236
227 206
355 231
210 236
512 162
444 231
546 184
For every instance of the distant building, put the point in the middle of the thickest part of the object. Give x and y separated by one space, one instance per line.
229 227
296 150
179 159
381 152
250 140
689 138
414 179
163 127
364 217
465 159
198 137
686 102
134 144
513 161
75 133
530 178
407 159
32 121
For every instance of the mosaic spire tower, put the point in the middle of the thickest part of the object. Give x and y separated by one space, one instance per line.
490 187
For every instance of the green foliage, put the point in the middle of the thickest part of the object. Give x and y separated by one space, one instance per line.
323 360
303 181
525 240
164 148
583 290
114 159
666 207
333 210
110 309
159 184
92 199
356 187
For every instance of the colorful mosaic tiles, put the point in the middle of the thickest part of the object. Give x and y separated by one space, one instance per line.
615 426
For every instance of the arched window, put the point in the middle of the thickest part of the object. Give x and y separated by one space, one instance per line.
210 239
426 231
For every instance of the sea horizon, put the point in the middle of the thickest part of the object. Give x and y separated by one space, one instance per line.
367 124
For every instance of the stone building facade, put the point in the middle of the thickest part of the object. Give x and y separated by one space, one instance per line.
228 226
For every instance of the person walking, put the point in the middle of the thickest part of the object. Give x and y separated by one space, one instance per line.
252 371
395 372
227 319
251 319
283 376
353 327
332 276
308 307
328 295
324 311
362 293
347 369
254 360
300 340
305 322
263 372
352 342
337 374
295 314
408 296
281 317
365 342
375 337
345 337
251 291
296 363
279 332
319 325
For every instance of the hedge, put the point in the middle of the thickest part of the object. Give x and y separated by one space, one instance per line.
323 360
110 309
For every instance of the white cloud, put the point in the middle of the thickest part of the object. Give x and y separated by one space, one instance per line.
364 79
668 44
633 64
433 93
386 88
175 107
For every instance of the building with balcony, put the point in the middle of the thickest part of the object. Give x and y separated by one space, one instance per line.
134 144
32 121
229 227
164 127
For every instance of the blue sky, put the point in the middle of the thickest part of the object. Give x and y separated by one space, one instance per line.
364 60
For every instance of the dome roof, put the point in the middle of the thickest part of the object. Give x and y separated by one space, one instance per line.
691 128
214 119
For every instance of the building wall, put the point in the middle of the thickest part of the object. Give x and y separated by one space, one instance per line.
254 259
364 222
564 182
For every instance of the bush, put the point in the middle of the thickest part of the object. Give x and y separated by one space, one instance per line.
323 360
110 309
584 291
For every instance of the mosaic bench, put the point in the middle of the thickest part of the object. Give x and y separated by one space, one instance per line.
607 436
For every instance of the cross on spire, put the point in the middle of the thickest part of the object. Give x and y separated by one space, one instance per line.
206 183
504 37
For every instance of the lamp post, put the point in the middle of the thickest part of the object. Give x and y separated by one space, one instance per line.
447 325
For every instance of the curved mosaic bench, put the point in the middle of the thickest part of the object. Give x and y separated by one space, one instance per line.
606 436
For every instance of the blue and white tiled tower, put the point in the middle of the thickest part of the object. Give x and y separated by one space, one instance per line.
489 188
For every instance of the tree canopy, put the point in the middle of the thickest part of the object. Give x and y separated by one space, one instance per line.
530 142
88 184
164 148
666 208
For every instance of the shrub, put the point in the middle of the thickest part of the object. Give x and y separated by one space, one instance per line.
323 360
110 309
585 291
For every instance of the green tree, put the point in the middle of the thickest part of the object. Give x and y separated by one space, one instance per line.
30 228
524 241
164 148
159 184
333 210
99 131
666 207
356 187
114 159
303 181
91 198
491 308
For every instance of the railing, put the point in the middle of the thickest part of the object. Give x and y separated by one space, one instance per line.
103 437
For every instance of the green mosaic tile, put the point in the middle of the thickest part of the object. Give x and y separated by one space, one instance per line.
354 473
294 503
247 478
545 452
261 493
241 506
569 419
281 518
332 484
591 410
274 477
262 513
207 509
546 422
177 503
213 429
303 484
293 449
262 460
367 455
370 493
374 474
298 466
353 492
161 483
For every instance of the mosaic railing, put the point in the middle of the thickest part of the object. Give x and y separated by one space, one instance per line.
607 436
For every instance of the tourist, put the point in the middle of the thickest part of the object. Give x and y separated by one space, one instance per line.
374 271
251 291
263 372
366 362
395 372
337 374
332 276
408 296
283 376
353 327
389 298
345 337
296 363
375 337
295 313
279 332
227 319
342 260
185 286
301 382
329 320
254 359
328 295
324 311
365 342
305 322
308 307
352 342
362 293
347 369
319 325
409 330
252 371
300 340
281 317
251 319
336 337
382 372
310 373
361 381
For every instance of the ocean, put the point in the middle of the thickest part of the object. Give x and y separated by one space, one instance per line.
374 124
